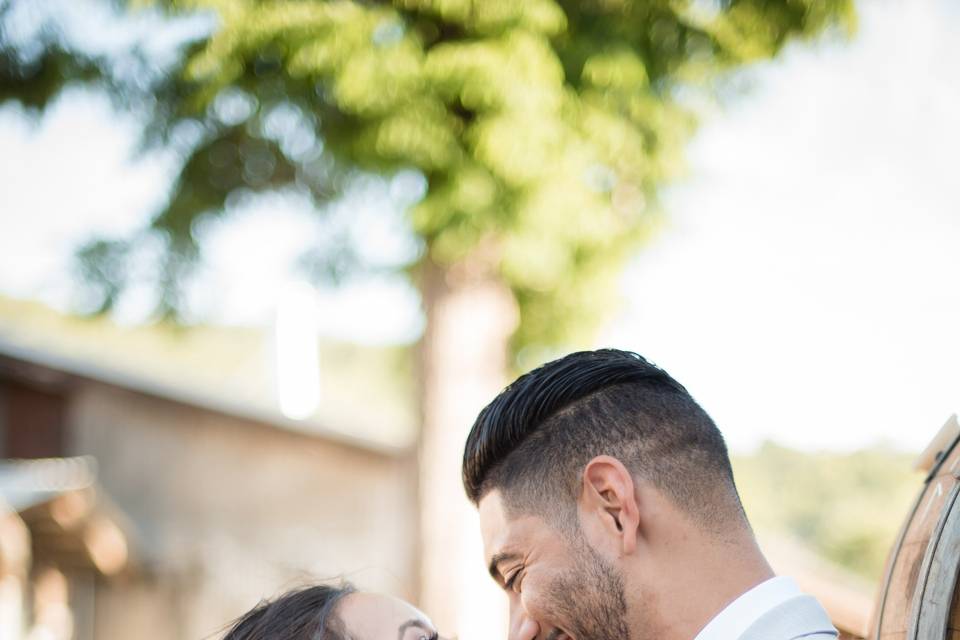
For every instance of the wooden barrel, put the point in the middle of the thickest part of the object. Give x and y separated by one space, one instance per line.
919 599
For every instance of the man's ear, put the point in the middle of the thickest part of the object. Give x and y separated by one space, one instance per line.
608 494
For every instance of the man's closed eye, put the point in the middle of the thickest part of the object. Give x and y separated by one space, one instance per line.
513 582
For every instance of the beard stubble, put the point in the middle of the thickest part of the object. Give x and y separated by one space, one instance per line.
590 598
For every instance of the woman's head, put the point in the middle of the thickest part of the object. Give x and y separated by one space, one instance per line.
324 612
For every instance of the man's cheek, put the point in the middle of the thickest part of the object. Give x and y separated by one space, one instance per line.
538 604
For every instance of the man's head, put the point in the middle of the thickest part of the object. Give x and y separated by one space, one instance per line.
588 473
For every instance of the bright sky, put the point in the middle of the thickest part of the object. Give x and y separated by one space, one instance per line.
807 286
804 290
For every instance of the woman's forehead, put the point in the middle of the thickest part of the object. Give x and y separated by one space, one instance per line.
373 615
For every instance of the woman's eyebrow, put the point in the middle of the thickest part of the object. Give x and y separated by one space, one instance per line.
412 623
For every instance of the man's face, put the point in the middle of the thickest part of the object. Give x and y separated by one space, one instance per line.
559 588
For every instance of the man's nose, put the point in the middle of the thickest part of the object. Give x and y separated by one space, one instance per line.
522 627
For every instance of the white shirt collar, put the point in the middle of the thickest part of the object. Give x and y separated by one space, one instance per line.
736 617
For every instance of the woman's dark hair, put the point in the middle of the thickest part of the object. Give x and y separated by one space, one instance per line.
302 614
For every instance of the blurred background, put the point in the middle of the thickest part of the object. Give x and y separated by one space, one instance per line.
261 264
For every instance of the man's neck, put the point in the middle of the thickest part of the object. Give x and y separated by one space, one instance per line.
700 577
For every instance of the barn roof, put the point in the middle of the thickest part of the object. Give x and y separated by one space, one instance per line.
225 370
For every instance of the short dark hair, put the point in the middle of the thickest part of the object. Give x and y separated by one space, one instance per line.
536 437
301 614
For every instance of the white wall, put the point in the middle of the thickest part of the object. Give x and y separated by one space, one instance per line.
227 512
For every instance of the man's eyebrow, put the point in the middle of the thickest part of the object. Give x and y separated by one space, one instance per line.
412 623
497 560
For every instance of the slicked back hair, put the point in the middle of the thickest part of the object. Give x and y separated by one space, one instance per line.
534 440
301 614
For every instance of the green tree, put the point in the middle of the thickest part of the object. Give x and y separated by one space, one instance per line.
543 130
848 507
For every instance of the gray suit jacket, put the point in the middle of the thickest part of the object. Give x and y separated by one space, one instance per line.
801 617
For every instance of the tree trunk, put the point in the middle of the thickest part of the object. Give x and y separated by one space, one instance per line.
463 365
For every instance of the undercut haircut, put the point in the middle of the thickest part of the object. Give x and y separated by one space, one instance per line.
535 439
